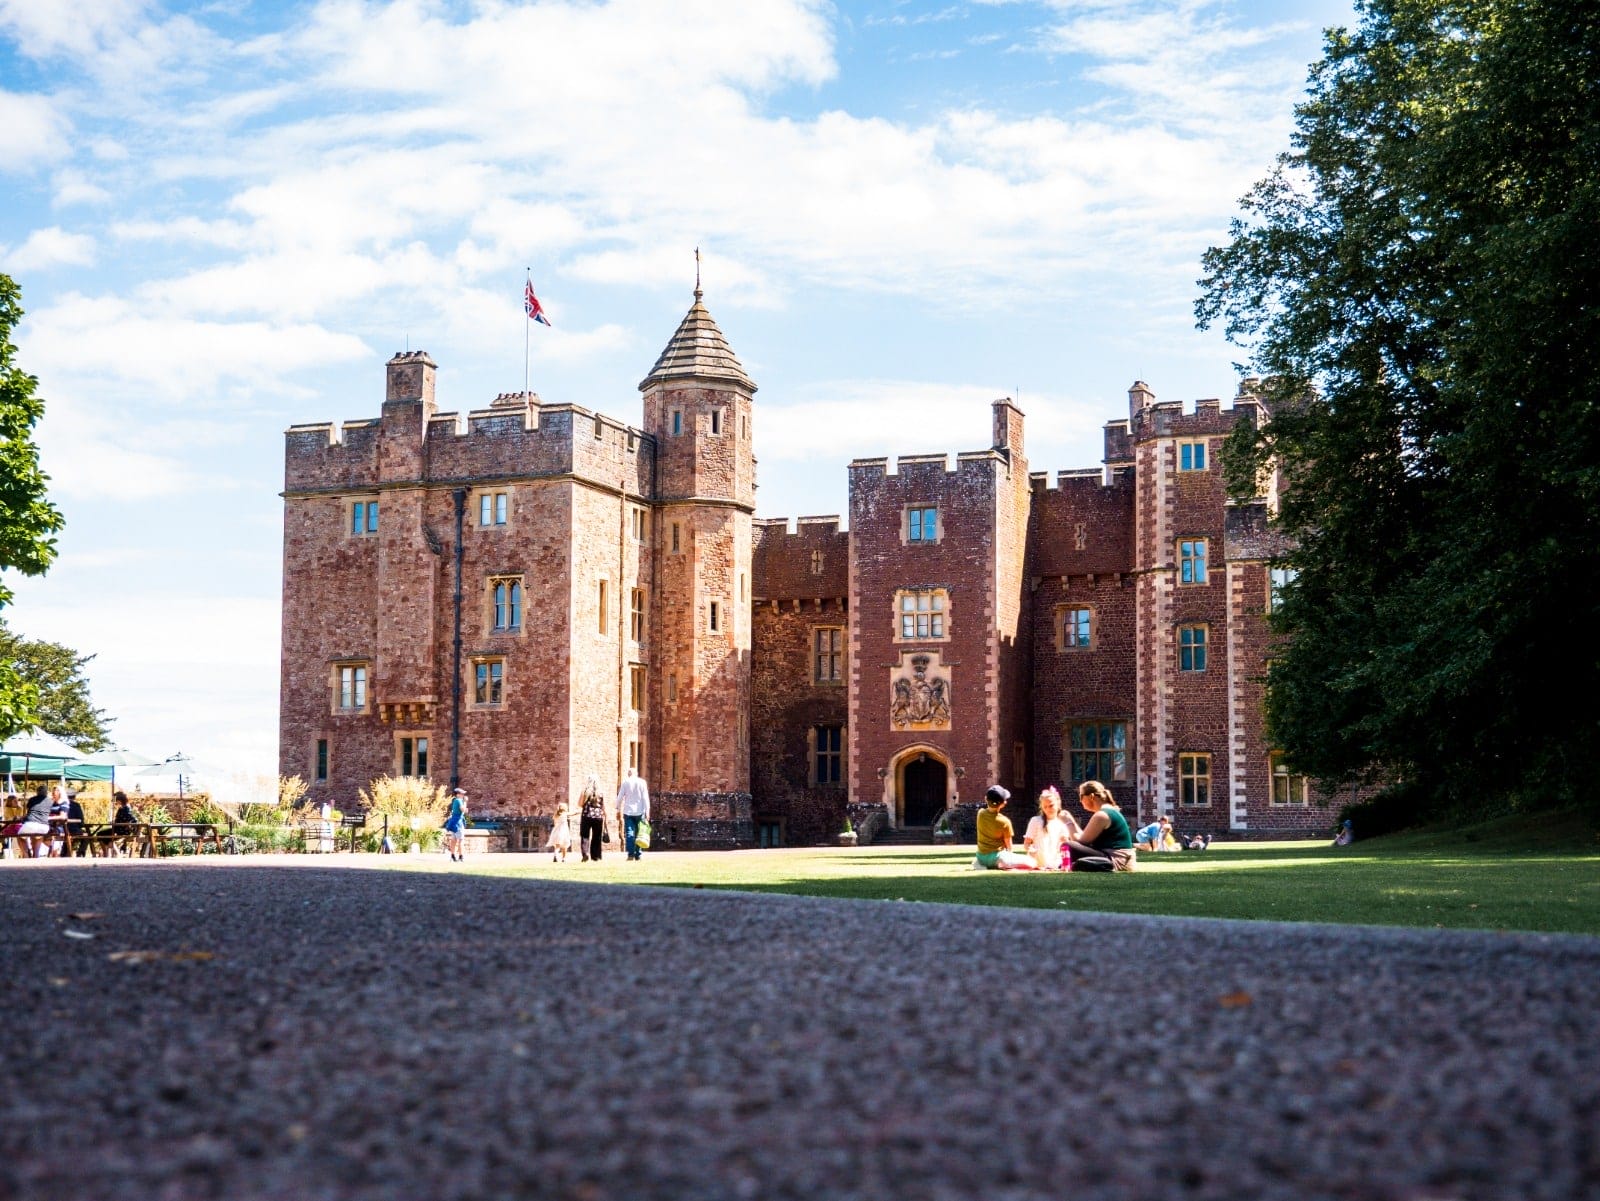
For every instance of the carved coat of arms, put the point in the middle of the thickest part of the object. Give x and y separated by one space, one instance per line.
921 698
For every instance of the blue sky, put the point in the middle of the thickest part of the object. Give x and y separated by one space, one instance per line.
225 217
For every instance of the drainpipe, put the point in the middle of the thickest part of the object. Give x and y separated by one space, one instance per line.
460 495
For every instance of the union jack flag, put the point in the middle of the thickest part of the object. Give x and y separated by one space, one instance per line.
535 310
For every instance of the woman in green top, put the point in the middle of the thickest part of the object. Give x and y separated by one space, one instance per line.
1105 842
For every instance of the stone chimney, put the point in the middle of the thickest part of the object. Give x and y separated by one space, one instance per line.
411 377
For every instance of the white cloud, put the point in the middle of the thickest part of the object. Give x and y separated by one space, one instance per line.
177 358
848 419
32 131
52 247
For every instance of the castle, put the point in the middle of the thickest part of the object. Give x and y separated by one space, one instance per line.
532 594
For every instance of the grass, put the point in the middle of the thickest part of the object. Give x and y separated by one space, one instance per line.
1499 876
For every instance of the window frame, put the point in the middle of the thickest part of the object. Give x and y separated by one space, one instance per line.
362 517
321 759
488 686
833 655
827 755
1192 640
360 686
516 595
1279 578
1194 769
938 614
1065 622
1116 751
1193 565
409 755
914 529
1188 461
637 684
1278 769
494 509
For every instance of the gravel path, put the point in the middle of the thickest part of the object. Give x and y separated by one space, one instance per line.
316 1032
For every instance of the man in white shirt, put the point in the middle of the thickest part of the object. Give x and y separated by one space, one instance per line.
633 802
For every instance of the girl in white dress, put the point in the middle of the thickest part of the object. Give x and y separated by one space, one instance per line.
560 835
1047 831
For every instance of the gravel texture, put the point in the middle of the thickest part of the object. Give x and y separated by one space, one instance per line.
311 1032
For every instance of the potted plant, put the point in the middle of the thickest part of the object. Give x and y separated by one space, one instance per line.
847 836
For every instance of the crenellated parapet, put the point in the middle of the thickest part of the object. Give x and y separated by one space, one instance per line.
810 561
515 438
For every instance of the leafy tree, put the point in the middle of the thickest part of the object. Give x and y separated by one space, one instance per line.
61 694
1419 282
28 520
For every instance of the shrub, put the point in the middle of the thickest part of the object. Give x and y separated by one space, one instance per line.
291 791
409 802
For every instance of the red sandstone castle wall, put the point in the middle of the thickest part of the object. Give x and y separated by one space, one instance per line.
800 582
1082 532
962 561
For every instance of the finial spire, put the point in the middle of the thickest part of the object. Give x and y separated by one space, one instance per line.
697 292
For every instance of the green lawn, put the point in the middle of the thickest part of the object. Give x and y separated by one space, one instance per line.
1486 878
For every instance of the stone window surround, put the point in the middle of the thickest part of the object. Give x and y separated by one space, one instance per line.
1278 769
924 508
836 652
489 585
400 738
1102 754
1197 647
638 615
336 685
1204 457
371 516
1198 562
500 507
321 756
472 665
945 612
814 756
1063 613
637 687
1200 761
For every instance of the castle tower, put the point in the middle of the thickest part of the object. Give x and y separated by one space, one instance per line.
698 404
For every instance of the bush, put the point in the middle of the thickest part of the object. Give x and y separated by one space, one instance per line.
413 805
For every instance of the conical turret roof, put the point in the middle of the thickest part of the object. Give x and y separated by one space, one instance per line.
699 351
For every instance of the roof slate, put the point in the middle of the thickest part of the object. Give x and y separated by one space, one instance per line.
698 350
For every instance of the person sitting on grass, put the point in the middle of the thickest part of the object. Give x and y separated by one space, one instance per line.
1047 831
1105 843
1197 842
994 836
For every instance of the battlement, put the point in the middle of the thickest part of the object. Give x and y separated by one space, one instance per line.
514 436
1077 477
809 527
924 466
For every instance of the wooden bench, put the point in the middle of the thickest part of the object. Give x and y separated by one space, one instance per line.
193 835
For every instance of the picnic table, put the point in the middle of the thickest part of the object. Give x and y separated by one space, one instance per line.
181 835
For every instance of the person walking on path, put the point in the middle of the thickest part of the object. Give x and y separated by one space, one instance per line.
633 803
1105 844
592 825
455 826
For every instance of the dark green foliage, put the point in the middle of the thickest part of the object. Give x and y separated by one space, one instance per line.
1419 279
61 694
28 520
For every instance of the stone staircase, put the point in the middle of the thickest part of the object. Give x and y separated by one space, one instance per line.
906 836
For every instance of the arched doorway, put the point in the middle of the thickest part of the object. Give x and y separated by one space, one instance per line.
924 789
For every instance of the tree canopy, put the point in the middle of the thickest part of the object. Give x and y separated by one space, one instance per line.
62 705
1417 279
28 521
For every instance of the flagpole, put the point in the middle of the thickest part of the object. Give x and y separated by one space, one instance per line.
527 321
